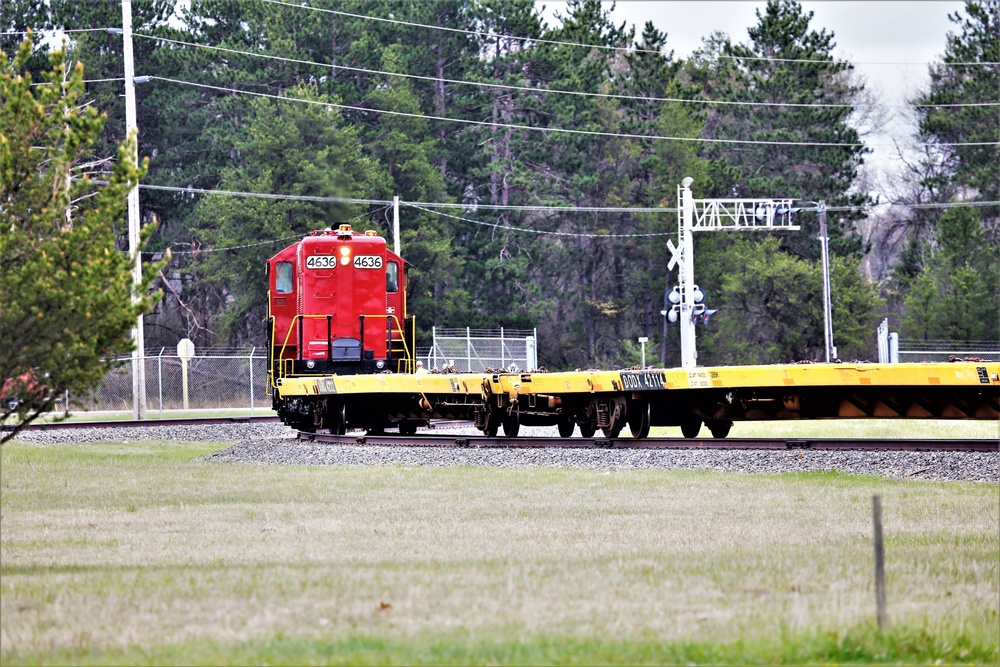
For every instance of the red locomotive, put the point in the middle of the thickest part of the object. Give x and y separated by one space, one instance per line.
337 306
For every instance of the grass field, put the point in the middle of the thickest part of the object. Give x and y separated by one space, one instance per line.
141 554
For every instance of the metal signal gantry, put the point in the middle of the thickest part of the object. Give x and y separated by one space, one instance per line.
714 215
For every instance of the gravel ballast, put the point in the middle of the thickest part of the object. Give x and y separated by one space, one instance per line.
275 444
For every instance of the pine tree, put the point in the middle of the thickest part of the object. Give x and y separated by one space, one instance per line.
67 308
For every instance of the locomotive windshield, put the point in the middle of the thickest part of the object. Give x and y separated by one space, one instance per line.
283 279
392 277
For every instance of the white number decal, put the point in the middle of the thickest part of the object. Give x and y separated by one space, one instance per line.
368 262
321 262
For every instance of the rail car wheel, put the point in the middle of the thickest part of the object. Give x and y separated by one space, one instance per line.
336 419
614 430
511 423
616 419
638 419
492 423
690 427
588 429
719 427
566 426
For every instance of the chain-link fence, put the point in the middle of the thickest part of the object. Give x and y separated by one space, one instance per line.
214 379
914 350
474 350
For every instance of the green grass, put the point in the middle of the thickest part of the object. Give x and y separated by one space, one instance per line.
140 553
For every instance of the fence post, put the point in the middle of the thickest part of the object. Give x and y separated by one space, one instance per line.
468 349
502 360
251 380
159 378
879 563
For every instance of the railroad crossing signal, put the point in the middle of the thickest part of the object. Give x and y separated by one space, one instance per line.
713 215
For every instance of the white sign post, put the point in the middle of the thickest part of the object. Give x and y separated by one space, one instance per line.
185 351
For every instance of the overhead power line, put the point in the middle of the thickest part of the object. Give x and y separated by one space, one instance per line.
557 130
539 231
512 126
387 202
493 35
529 89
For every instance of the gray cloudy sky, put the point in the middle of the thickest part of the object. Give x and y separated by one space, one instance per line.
874 35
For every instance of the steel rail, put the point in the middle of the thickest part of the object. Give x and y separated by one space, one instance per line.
133 423
824 444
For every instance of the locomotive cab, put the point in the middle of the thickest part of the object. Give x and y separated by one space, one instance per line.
337 305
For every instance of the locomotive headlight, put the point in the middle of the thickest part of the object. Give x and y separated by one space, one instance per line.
380 364
310 364
345 255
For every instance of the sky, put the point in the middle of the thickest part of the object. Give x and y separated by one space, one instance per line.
870 34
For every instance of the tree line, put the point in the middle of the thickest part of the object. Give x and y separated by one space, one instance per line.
509 119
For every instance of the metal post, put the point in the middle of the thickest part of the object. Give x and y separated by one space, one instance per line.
501 348
827 313
432 358
879 562
642 342
689 354
663 343
139 353
468 349
251 381
159 378
395 223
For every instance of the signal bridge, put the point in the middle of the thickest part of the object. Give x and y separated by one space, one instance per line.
714 215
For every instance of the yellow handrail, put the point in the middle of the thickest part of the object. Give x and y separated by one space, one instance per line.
286 368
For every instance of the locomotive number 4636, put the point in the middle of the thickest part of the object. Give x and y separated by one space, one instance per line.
330 262
368 261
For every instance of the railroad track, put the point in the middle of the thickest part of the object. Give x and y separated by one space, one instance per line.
134 423
841 444
431 439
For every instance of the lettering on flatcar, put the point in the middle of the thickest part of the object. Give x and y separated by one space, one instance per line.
698 379
632 380
367 261
326 386
984 377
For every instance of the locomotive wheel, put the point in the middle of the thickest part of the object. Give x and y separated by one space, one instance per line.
511 424
336 419
566 426
719 427
638 419
588 429
690 427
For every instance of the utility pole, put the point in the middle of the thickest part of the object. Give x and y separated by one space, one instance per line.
395 223
139 353
827 309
